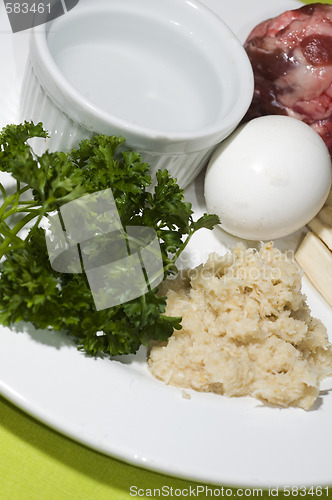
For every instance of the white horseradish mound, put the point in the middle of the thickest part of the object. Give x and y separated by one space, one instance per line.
246 330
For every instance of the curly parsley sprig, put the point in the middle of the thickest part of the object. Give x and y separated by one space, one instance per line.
30 289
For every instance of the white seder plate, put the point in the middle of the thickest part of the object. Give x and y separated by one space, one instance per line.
118 408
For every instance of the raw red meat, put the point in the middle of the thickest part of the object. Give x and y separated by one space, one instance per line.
291 57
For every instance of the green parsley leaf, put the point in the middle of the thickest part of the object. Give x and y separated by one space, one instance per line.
32 291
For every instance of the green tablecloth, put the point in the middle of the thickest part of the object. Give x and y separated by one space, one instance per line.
37 463
315 1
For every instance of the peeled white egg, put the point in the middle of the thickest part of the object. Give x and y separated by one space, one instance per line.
269 178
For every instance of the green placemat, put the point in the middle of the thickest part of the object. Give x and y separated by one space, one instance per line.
37 463
313 1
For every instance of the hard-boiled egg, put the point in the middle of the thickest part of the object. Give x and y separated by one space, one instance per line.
269 178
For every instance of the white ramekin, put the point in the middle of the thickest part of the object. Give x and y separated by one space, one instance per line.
168 76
